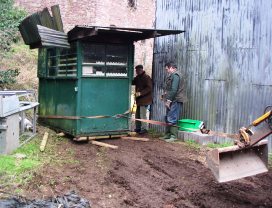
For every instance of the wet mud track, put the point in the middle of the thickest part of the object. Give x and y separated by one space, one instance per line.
147 174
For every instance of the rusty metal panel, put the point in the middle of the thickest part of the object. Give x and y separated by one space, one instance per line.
225 55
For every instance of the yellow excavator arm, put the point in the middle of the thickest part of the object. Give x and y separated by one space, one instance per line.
248 157
246 134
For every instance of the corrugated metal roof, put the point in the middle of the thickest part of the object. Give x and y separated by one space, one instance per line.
52 38
118 34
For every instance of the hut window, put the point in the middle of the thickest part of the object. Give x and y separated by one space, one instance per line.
62 62
42 62
93 60
116 60
52 61
67 63
104 60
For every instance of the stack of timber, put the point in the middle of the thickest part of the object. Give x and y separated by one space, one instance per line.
41 29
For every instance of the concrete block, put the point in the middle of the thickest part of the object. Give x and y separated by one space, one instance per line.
202 139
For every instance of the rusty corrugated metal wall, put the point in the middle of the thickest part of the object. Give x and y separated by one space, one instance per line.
225 55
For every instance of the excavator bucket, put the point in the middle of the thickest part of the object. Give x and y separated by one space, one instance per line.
231 163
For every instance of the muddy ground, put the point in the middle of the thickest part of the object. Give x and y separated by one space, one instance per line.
146 174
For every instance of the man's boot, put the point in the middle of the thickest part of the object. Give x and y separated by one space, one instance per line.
174 134
167 134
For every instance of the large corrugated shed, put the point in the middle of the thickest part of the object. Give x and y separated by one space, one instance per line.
225 56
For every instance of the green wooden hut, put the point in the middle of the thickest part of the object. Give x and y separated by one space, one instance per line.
83 87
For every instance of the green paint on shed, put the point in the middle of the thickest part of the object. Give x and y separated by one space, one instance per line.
91 78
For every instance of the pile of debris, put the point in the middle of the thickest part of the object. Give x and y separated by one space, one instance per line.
70 200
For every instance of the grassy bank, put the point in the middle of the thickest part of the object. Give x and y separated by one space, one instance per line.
21 58
17 169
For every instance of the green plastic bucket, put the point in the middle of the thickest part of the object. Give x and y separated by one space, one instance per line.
189 125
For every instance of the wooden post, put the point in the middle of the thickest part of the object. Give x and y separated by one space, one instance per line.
104 144
44 141
136 139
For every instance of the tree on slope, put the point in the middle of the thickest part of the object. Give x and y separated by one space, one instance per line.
10 18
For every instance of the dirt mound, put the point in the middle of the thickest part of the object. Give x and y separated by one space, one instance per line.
147 174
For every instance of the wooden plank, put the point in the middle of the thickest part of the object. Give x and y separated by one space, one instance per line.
132 133
44 141
90 138
61 134
135 138
101 144
57 18
118 136
80 139
106 137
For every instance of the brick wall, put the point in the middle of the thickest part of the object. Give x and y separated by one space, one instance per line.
104 13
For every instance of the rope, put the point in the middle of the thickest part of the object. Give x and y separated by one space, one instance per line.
106 116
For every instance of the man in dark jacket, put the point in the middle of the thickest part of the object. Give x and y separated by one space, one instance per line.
143 94
174 96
